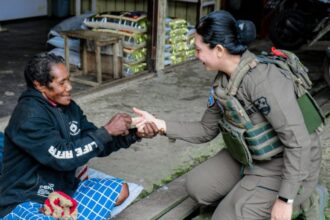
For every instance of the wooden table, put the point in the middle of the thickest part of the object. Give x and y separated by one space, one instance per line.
100 39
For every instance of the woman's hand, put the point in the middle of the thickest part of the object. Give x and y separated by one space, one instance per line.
146 117
281 210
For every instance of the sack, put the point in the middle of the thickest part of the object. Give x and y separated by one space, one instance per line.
57 41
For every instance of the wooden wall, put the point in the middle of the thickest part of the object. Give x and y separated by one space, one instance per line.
187 11
173 8
121 5
183 10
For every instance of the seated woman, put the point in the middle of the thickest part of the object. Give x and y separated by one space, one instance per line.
48 137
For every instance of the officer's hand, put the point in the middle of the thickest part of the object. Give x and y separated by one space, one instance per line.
119 124
145 117
281 210
149 130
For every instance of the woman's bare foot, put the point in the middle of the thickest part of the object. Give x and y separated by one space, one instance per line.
124 193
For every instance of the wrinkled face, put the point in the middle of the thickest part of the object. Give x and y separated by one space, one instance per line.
59 90
206 55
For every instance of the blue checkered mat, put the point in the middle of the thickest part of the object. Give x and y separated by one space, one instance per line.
96 198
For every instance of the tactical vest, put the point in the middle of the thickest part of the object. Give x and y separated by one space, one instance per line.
246 141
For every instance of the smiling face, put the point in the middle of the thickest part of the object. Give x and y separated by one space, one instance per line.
209 57
59 89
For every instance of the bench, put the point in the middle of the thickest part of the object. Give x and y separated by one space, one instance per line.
170 202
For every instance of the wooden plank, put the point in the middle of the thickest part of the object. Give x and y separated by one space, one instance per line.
85 6
180 10
98 63
77 7
129 5
189 1
66 53
120 5
84 62
171 9
145 5
191 14
139 5
323 97
217 4
158 203
115 57
83 81
182 211
111 5
162 10
94 6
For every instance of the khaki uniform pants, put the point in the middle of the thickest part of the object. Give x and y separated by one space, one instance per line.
250 197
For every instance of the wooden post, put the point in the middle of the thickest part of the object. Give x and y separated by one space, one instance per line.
67 53
217 5
77 7
115 59
94 6
98 62
162 13
152 32
83 44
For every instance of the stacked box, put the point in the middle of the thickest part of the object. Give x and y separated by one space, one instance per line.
179 41
132 27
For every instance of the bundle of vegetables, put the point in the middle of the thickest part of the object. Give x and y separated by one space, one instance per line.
179 41
123 21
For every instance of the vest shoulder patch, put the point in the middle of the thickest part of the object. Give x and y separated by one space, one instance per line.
211 100
262 105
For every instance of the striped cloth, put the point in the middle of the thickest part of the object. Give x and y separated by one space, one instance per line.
82 172
96 198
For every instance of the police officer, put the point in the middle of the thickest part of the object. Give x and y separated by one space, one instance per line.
271 163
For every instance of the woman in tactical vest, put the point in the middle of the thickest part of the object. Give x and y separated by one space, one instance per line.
271 162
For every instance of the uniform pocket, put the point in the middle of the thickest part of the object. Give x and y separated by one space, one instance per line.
257 197
250 182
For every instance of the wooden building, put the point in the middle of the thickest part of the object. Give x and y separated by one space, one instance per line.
157 10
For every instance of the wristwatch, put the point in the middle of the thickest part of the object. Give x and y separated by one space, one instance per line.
289 201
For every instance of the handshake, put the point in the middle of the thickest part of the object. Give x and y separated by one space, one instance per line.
147 125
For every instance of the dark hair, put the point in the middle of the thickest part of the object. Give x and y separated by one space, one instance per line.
39 67
220 27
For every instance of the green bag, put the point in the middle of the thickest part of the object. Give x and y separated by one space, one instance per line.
312 114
